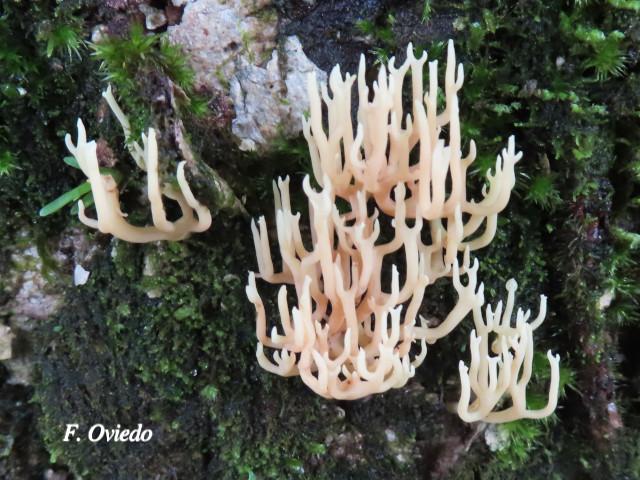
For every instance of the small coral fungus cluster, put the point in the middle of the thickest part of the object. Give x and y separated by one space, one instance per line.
109 218
354 334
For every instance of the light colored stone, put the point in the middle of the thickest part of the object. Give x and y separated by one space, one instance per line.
32 301
99 33
153 17
496 437
149 270
391 435
401 451
80 275
232 48
605 300
255 92
270 101
21 370
216 33
34 298
6 337
51 474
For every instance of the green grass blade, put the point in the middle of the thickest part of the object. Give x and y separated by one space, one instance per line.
87 201
65 198
71 161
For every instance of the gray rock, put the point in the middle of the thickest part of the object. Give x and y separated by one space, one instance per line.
232 47
154 18
271 100
36 294
80 275
33 299
496 437
21 369
6 337
217 33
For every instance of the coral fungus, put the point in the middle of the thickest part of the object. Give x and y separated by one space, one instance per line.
350 337
355 341
110 219
380 155
491 377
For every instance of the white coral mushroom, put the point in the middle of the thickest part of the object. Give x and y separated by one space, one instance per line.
110 219
507 372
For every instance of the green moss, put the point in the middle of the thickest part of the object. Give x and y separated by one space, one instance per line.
132 61
543 192
181 363
381 30
45 81
7 163
62 38
37 81
521 437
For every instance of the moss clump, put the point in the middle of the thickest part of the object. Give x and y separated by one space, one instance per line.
133 61
42 89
